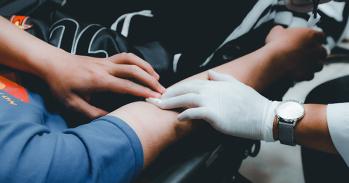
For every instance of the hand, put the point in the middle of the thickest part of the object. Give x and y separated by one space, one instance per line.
299 52
228 105
73 78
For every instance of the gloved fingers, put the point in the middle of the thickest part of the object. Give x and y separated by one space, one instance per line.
215 76
193 86
188 100
194 113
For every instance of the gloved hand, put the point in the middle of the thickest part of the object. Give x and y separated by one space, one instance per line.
228 105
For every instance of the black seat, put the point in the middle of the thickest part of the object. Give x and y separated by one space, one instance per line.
205 156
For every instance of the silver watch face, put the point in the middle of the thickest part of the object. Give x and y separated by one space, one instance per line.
290 110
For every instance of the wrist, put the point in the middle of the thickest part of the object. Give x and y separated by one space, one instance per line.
55 65
276 61
268 68
44 65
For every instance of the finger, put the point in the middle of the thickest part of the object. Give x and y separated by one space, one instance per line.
131 59
318 66
193 86
215 76
316 53
134 72
323 54
188 100
194 113
309 77
319 37
124 86
83 107
305 77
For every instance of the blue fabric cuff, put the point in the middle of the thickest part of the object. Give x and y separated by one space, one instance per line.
133 140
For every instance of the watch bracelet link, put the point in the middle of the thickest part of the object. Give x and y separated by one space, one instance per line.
286 132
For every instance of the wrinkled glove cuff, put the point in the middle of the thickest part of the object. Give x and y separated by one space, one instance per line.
268 122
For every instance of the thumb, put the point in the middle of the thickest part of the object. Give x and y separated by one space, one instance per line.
275 33
80 105
215 76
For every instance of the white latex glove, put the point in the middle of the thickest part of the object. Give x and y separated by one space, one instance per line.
228 105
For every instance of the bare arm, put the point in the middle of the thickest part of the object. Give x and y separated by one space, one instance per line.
22 51
158 128
312 131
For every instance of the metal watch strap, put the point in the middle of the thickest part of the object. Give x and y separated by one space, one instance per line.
286 132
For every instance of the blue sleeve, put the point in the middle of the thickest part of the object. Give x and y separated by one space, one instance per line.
104 151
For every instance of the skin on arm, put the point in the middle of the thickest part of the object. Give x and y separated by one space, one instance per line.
73 78
158 128
312 130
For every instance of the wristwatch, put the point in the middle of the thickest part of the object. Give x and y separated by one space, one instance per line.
288 113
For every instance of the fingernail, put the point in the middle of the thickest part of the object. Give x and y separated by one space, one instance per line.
153 100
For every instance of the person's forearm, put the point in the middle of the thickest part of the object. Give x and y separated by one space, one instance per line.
312 131
257 69
158 128
22 51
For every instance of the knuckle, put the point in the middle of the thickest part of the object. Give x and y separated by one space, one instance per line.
154 82
134 70
105 83
128 86
96 77
119 57
311 34
96 114
130 56
123 55
315 34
